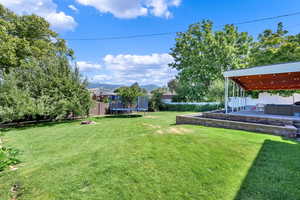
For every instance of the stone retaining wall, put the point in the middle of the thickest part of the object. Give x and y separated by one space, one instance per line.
250 119
287 130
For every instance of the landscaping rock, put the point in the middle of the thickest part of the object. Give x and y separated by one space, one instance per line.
87 122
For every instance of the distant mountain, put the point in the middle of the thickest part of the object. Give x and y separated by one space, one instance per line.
150 87
112 87
105 86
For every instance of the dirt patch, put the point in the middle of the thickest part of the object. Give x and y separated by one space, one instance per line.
170 130
151 117
16 191
179 130
88 122
152 126
159 132
174 130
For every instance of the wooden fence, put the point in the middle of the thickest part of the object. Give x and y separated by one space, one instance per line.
99 108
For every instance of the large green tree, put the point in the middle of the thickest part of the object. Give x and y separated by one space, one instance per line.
36 78
202 54
273 47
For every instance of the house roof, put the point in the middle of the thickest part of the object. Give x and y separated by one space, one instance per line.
273 77
167 96
102 92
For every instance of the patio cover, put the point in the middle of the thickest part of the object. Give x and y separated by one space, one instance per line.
272 77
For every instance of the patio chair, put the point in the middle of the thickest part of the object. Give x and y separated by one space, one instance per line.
260 107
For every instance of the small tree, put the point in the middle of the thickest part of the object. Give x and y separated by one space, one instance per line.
130 94
173 85
155 103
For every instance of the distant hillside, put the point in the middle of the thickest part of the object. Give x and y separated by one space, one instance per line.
105 86
112 87
150 87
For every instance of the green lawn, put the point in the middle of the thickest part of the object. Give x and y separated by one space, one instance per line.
149 158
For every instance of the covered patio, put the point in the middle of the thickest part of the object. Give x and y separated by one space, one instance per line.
264 78
273 118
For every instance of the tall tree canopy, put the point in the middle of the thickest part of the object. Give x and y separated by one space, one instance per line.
273 47
202 54
36 78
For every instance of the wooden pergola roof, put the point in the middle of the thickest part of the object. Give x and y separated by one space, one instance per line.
273 77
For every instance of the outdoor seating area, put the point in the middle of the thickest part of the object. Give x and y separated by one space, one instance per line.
289 110
264 114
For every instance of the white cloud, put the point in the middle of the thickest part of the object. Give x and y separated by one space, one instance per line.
61 21
175 2
88 66
44 8
159 8
136 62
72 7
133 8
102 78
145 69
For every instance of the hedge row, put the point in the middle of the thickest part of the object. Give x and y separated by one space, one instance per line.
190 107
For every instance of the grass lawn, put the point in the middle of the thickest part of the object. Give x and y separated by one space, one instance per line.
149 158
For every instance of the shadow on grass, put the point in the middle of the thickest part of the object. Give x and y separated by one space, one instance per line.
54 123
116 116
274 174
37 124
124 116
174 124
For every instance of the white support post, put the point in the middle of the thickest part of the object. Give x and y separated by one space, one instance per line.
233 97
240 98
245 99
226 95
244 96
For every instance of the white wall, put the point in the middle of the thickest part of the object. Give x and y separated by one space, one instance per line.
191 103
166 101
266 98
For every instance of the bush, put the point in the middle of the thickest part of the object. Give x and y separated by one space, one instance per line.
190 107
8 157
155 103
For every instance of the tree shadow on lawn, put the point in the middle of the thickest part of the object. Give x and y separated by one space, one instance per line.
37 124
120 116
275 173
54 123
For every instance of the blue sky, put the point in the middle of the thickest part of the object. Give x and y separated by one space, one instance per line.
144 59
